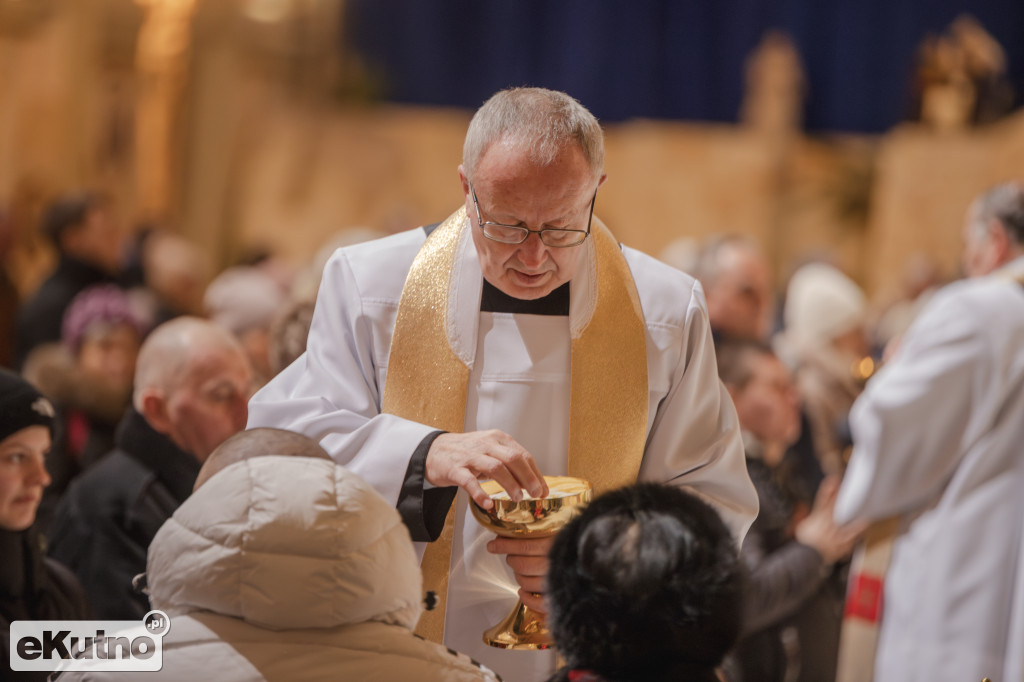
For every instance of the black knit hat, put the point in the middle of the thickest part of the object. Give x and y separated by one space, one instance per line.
21 405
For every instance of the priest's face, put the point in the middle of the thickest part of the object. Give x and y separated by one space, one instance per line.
513 190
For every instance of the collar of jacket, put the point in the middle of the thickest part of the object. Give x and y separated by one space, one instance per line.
81 271
174 467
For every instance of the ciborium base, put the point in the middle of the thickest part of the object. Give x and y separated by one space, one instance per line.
522 630
529 518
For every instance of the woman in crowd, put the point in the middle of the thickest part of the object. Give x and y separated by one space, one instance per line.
31 586
89 377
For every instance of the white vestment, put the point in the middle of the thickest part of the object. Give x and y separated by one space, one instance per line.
939 441
519 383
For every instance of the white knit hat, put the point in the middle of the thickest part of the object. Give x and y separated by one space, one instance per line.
821 304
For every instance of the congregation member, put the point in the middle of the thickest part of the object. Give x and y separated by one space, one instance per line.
737 282
286 566
32 587
89 250
937 445
825 339
644 585
793 600
246 301
88 376
289 333
192 381
514 339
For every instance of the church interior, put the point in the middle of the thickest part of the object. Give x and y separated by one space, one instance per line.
260 124
834 150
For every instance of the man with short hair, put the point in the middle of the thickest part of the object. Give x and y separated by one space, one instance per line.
88 244
937 444
192 382
738 284
517 339
737 281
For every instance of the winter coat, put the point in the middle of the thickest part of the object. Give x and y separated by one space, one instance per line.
110 514
87 417
32 587
40 317
788 585
291 568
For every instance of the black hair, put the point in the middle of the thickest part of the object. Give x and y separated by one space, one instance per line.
68 211
735 360
645 584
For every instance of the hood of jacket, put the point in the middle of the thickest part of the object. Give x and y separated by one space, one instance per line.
287 543
51 368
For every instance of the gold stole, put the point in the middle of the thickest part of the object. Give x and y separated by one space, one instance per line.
427 381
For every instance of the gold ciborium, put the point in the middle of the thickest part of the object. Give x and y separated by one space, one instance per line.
529 518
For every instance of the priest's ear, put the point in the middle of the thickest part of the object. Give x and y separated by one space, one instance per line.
999 241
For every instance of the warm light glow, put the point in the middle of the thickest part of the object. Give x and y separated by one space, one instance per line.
268 11
864 368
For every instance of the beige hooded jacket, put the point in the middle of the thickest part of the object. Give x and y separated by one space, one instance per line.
288 568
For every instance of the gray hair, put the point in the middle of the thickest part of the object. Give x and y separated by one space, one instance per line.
1004 203
709 259
536 120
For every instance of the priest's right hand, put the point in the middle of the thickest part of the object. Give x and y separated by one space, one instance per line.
463 459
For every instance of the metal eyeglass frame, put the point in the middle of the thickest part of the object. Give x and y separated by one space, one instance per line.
526 232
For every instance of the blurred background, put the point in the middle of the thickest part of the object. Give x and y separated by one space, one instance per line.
857 130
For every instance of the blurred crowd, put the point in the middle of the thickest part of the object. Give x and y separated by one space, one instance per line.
137 362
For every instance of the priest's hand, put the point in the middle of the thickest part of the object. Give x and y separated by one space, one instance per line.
528 559
463 459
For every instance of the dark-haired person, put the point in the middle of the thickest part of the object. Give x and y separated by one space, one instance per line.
645 586
794 599
89 244
32 587
938 438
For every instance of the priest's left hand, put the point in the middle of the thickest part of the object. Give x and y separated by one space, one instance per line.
528 559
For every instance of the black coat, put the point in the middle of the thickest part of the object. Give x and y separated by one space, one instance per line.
785 578
40 317
33 587
108 516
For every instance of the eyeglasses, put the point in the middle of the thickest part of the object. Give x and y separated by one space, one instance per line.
556 237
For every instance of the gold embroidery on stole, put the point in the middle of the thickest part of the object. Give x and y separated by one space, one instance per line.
427 382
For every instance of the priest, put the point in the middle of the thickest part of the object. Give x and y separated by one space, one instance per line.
515 339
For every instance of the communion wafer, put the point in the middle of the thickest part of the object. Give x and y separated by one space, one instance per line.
503 495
